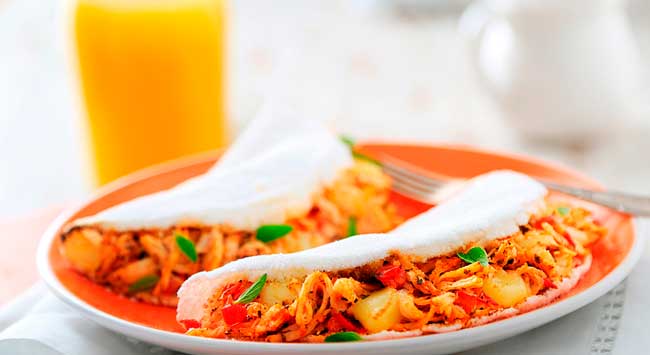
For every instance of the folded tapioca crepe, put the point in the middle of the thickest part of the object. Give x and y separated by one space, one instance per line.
287 184
496 248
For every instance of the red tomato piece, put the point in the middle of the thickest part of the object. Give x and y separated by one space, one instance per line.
391 276
190 323
538 223
339 322
236 289
568 238
486 300
234 314
467 301
548 283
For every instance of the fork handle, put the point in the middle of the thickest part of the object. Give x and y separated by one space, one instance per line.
622 202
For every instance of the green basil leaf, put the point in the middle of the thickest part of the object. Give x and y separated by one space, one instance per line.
343 336
361 156
145 283
252 292
473 255
347 140
187 247
352 226
270 232
563 211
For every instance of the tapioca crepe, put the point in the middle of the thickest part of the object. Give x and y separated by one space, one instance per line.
490 206
288 183
450 264
267 176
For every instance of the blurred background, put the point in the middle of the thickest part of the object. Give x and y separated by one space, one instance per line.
92 89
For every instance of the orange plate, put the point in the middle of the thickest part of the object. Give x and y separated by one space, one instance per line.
439 160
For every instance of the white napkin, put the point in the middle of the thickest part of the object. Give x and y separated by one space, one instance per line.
48 326
617 323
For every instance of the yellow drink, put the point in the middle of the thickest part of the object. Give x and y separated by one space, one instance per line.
152 77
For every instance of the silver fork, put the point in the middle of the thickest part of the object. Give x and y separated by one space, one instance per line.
409 182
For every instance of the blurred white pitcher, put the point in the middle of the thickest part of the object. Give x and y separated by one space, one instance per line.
566 70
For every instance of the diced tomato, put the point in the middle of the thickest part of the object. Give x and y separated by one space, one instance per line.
235 290
537 224
486 300
568 238
283 316
234 314
467 301
190 323
391 276
339 322
548 283
470 302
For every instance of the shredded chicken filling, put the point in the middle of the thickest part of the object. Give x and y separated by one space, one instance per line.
121 259
401 293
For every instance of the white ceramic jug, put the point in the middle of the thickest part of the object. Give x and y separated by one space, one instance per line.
566 70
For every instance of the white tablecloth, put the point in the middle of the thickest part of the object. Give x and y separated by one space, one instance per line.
617 323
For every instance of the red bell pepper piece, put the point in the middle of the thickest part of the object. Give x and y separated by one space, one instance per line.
548 283
470 302
486 300
339 322
467 301
568 238
391 276
538 223
190 323
234 314
235 289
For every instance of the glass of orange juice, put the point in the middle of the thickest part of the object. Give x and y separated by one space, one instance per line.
152 79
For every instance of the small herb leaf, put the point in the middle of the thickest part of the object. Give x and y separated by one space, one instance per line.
563 211
361 156
145 283
252 292
343 336
352 226
270 232
473 255
187 247
347 140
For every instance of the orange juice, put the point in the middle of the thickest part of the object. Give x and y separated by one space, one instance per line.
152 78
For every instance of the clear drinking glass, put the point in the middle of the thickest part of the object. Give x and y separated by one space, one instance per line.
152 79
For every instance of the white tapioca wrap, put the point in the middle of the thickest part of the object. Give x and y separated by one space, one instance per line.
490 206
267 176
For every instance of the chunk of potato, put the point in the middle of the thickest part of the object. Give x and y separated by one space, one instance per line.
379 311
275 292
83 251
506 288
134 271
